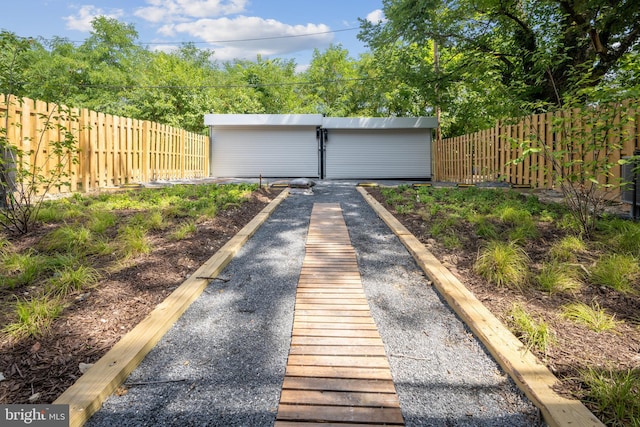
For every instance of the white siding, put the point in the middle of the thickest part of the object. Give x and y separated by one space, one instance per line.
270 151
379 153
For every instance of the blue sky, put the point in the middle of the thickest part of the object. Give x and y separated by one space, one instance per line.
240 28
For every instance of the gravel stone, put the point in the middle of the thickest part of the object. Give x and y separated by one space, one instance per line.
223 362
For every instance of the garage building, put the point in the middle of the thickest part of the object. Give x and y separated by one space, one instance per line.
313 146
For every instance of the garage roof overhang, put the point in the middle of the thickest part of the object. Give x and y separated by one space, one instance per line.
319 120
263 120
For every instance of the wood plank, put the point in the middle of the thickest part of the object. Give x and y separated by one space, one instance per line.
338 384
344 302
346 333
344 361
305 340
337 313
334 319
339 372
336 307
339 398
340 414
338 350
347 326
320 424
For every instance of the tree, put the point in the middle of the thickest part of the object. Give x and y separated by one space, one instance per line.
330 82
26 176
530 52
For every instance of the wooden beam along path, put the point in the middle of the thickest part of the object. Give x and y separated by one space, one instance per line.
337 372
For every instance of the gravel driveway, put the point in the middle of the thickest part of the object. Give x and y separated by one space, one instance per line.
223 362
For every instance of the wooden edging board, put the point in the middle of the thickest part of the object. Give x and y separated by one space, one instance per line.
88 393
533 378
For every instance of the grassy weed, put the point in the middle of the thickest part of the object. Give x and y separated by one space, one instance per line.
183 230
567 248
614 395
619 272
132 241
33 317
72 279
593 317
21 269
534 333
559 278
503 264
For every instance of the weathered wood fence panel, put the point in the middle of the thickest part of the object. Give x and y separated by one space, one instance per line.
488 155
114 150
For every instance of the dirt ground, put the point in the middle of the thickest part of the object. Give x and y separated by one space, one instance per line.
39 370
576 348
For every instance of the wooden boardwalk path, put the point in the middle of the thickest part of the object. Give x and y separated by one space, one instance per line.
337 372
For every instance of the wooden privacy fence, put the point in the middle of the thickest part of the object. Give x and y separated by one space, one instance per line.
488 155
114 151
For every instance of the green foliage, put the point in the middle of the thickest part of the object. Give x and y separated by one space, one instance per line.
621 234
72 279
619 272
184 230
132 241
536 334
33 317
593 317
20 269
72 239
503 264
614 395
566 249
559 278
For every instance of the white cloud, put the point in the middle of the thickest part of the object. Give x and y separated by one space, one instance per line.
182 10
245 37
87 13
376 16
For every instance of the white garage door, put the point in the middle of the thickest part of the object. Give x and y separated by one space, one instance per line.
378 153
270 151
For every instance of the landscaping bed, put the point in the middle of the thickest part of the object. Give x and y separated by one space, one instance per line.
597 363
132 250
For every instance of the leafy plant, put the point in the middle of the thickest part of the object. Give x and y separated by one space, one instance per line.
503 264
619 272
614 394
534 333
594 317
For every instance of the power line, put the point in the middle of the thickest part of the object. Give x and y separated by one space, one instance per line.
257 38
223 41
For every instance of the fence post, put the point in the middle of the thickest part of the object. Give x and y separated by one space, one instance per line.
146 135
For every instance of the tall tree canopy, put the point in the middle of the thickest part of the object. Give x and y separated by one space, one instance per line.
532 50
